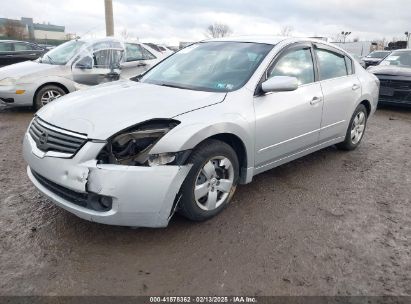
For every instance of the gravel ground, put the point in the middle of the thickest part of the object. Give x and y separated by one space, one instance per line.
332 223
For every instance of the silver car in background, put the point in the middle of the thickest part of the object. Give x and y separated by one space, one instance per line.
71 66
183 135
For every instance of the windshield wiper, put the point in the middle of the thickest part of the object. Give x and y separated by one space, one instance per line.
172 86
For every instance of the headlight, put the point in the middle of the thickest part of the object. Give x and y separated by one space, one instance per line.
9 81
131 147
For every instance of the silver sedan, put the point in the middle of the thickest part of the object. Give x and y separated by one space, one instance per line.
183 135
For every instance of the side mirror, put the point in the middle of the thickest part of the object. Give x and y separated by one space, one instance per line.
280 84
85 63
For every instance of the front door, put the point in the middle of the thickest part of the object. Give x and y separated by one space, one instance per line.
288 122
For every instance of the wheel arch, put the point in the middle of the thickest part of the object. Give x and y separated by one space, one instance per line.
239 148
367 105
57 84
192 135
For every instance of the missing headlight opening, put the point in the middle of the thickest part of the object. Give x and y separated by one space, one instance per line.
131 147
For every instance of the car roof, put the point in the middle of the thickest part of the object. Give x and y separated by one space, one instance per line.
9 41
253 39
273 40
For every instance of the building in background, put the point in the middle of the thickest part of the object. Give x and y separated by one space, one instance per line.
26 29
359 48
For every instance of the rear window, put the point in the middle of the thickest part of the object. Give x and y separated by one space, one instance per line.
22 47
332 65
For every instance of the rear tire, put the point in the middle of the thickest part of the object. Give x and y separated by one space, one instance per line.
211 182
47 94
356 129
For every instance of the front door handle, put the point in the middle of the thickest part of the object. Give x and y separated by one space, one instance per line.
355 87
315 100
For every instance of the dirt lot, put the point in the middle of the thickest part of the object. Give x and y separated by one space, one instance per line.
332 223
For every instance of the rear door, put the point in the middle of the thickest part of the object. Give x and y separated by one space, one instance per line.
6 53
289 122
138 60
341 89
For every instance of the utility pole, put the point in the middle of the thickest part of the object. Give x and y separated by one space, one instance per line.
108 4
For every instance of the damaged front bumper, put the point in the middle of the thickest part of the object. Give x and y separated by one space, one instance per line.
140 196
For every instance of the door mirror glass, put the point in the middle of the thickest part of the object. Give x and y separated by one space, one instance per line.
280 84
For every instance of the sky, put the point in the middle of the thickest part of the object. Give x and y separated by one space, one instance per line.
171 21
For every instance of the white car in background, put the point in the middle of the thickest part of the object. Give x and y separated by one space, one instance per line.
71 66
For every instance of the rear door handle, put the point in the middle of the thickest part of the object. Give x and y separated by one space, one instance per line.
315 100
355 87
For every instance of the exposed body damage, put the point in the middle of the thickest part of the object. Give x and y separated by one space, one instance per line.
132 205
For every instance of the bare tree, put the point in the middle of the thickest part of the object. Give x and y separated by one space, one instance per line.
218 30
338 37
286 31
381 43
14 29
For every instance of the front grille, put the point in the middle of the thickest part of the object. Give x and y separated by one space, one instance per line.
86 200
50 138
74 197
396 84
395 91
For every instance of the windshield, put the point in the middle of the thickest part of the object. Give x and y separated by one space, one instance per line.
402 59
209 66
63 53
378 55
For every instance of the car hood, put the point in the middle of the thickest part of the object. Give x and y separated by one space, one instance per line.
106 109
390 70
26 68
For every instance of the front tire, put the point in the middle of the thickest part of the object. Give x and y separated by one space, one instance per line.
46 95
211 182
356 129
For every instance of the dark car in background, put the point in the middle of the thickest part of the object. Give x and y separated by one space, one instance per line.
375 57
394 73
12 51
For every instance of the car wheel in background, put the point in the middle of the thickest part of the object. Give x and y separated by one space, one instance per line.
356 129
211 182
47 94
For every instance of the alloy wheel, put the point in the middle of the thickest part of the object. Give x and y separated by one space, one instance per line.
358 127
214 183
49 96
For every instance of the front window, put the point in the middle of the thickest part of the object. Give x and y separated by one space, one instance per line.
209 66
377 55
402 59
298 64
63 53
